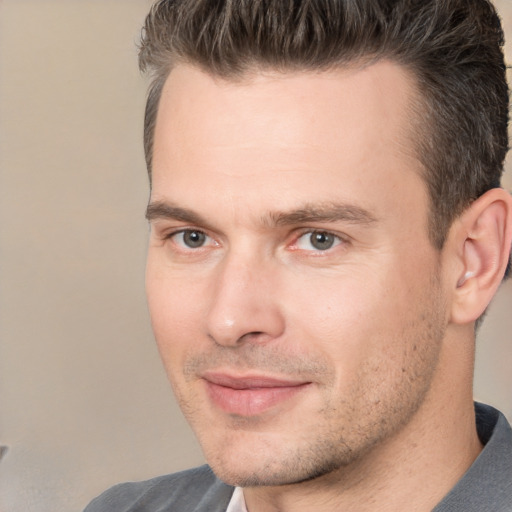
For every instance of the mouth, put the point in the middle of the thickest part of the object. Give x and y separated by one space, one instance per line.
250 395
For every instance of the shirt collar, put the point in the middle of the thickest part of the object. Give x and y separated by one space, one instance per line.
237 502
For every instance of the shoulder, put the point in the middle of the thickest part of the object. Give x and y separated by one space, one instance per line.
487 485
193 490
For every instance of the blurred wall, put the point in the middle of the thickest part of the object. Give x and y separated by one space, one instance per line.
84 399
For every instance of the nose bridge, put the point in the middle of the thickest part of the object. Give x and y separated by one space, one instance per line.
243 305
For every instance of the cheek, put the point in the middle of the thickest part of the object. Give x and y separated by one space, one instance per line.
355 320
336 311
175 310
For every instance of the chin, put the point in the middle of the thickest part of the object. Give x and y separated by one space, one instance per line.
275 473
260 462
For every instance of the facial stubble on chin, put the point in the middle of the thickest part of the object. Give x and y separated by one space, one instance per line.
348 428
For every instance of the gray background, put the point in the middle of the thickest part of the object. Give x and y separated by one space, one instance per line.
84 399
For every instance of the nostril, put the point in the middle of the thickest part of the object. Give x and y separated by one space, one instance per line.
254 337
254 334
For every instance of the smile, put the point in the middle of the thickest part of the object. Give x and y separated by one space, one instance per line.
251 395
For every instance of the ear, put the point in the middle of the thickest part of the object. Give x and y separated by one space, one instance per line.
481 239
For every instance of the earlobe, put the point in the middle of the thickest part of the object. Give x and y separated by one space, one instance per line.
482 238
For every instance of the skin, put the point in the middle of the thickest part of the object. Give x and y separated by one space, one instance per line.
353 342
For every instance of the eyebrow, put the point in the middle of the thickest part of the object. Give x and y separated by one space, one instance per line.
324 212
309 213
163 210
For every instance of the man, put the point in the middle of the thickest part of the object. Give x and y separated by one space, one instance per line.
327 229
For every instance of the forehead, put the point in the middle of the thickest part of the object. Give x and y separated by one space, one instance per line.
310 132
382 89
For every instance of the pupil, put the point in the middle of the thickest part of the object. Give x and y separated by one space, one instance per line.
194 238
322 241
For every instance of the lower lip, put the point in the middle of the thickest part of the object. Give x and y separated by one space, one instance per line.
253 401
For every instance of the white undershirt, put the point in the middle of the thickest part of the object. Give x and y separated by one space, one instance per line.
237 502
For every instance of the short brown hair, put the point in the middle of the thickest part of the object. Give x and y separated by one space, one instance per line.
454 48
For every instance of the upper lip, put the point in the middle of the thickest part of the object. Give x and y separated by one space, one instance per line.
250 381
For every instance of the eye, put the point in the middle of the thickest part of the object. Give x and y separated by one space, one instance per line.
190 238
317 241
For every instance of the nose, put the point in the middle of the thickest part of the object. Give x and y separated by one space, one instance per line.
244 303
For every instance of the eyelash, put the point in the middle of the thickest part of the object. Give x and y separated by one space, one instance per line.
294 246
336 240
183 231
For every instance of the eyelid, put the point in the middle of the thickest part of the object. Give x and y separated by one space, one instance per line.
169 232
340 239
172 234
296 235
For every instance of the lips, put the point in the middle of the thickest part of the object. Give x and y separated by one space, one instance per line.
250 395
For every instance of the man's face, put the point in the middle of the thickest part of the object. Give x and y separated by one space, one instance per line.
294 294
